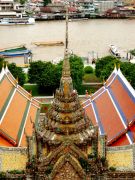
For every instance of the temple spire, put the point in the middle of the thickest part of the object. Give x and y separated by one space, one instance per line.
66 41
66 65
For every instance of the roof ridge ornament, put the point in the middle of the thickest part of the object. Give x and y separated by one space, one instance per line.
3 69
6 68
17 79
118 66
3 64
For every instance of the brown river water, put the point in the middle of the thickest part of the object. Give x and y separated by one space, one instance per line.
84 36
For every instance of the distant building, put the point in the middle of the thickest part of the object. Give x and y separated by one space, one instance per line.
114 13
103 6
9 8
6 5
87 6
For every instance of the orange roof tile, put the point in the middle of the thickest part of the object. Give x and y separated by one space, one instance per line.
108 116
16 108
5 89
90 114
14 116
119 92
29 124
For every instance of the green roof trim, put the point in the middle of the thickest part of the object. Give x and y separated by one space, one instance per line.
6 102
23 121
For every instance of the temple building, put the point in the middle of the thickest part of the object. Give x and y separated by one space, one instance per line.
112 108
72 140
65 135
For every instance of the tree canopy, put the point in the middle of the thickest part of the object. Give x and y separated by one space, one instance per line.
105 66
77 71
47 75
44 74
17 72
128 70
132 52
1 62
46 2
88 70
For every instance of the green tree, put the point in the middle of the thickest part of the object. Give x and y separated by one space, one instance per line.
107 70
45 75
48 80
46 2
128 70
102 63
17 72
88 70
105 66
22 1
77 71
35 69
132 52
1 62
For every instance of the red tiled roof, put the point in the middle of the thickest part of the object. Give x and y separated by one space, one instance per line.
112 108
17 107
72 9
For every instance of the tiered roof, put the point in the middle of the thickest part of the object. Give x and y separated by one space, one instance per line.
66 120
64 128
112 108
17 109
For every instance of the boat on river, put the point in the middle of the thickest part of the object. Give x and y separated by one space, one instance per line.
51 43
114 51
15 51
123 55
17 21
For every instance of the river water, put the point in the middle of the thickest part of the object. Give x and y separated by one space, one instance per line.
84 36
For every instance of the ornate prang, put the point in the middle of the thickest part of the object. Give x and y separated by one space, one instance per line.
65 133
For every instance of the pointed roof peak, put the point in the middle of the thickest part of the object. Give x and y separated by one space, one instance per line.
6 68
3 69
115 68
66 64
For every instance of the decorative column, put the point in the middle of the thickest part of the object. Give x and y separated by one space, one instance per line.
29 146
102 145
133 156
95 142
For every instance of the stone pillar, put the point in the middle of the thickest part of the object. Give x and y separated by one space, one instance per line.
133 156
95 142
102 145
29 142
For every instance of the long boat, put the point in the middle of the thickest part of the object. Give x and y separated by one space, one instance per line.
78 19
15 51
17 21
51 43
